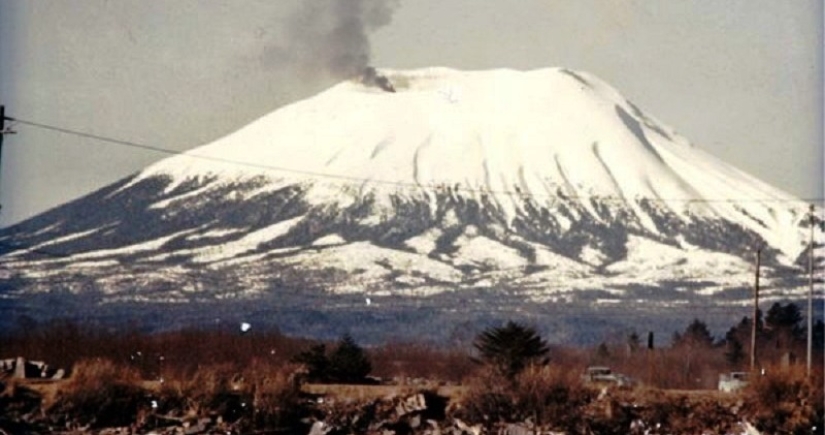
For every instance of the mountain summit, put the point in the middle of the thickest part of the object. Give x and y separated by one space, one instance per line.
550 135
547 185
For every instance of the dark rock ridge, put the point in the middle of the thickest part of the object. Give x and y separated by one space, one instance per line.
83 251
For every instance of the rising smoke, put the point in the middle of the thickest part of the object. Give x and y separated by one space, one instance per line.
330 38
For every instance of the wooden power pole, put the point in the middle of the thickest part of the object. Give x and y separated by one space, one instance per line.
2 133
810 294
755 308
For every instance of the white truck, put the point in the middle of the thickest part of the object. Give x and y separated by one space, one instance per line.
729 382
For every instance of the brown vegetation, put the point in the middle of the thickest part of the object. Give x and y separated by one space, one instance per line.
408 362
100 393
786 400
551 397
63 343
248 382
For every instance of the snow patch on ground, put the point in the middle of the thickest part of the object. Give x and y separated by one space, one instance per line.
651 261
592 256
148 246
329 240
59 240
214 234
481 251
425 242
364 264
246 243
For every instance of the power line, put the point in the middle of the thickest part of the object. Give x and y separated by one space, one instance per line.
316 174
221 159
94 136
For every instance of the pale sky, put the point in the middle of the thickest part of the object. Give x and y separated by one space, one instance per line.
742 79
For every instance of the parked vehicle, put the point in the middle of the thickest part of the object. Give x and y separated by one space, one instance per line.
733 381
604 375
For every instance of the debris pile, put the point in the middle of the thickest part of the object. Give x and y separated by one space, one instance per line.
423 413
21 368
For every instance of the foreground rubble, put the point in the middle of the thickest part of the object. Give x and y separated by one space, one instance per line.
426 413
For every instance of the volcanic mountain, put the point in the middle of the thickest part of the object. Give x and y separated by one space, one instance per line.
500 193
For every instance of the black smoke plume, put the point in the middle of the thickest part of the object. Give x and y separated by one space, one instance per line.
330 38
371 77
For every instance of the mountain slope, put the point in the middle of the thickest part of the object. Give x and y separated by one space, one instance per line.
502 134
545 185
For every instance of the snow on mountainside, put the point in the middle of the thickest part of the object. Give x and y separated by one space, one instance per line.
503 135
546 184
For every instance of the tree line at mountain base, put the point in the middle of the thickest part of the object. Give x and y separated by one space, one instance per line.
510 375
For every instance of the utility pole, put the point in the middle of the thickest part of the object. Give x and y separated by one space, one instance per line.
650 377
755 309
3 132
810 294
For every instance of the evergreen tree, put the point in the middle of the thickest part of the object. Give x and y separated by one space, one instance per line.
818 337
510 348
316 362
696 335
603 353
693 345
742 332
784 323
634 342
348 363
734 352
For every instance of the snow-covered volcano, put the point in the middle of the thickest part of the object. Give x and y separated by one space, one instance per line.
547 184
506 139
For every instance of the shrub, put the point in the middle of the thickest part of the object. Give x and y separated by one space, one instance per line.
275 396
551 396
548 396
421 361
487 399
265 395
197 392
347 363
100 394
786 401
